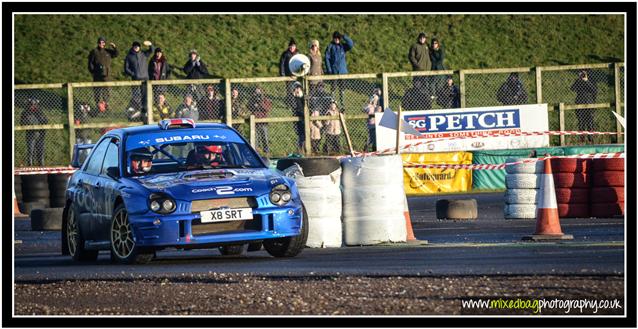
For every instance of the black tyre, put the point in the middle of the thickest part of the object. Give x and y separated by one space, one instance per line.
36 195
57 202
28 207
289 246
47 219
311 166
255 246
57 184
234 250
73 240
123 247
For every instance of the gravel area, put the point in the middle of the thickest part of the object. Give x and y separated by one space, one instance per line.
243 294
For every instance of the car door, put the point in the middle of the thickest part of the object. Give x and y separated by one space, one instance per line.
88 198
106 192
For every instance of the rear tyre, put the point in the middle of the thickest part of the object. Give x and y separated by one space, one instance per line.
74 240
289 246
123 247
233 250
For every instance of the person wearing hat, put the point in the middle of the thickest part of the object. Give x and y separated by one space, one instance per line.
159 69
316 65
135 66
141 161
285 57
335 56
419 57
99 65
195 68
297 103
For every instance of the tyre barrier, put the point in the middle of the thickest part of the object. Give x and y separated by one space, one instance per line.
522 181
373 200
27 207
571 180
573 210
46 219
17 188
572 195
315 166
321 196
456 209
570 165
523 211
57 189
613 164
521 196
35 188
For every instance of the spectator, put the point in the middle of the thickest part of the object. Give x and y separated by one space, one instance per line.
210 106
315 132
135 66
320 99
188 109
335 57
437 55
239 109
416 98
316 65
370 109
33 115
195 68
449 97
298 111
332 145
100 67
81 115
159 69
419 57
260 107
284 69
586 92
512 91
161 109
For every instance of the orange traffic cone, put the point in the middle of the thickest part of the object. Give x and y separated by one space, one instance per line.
547 220
16 209
410 238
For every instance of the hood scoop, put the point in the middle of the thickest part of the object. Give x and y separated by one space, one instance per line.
214 175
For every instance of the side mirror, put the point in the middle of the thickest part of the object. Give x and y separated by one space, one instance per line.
113 172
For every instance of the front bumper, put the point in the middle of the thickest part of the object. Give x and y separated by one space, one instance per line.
183 230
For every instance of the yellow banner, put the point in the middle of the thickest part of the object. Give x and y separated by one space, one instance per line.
433 180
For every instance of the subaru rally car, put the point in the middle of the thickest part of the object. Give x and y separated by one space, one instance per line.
234 203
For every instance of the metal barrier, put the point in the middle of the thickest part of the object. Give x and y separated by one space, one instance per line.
267 113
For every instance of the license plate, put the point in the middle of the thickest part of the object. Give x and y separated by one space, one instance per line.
224 215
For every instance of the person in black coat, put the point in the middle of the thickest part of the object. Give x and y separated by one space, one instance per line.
586 92
512 91
159 69
33 115
284 69
449 97
297 106
195 68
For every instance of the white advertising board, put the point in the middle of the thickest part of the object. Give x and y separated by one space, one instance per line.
469 129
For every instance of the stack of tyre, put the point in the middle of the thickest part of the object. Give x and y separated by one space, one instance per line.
571 181
17 189
523 183
320 192
35 193
57 189
608 188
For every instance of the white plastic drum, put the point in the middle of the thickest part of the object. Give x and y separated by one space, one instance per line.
321 196
373 195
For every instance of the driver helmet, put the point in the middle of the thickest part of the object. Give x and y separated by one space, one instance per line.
141 161
209 154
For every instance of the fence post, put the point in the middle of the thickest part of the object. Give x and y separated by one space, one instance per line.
539 85
149 101
70 114
227 96
306 119
252 132
462 87
385 90
399 124
618 101
561 122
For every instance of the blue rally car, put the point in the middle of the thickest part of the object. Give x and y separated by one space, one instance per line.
182 185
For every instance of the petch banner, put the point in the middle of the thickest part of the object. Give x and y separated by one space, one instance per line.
482 128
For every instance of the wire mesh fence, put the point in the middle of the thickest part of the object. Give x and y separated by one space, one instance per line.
40 113
501 88
279 106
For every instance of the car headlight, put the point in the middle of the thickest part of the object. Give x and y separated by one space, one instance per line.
280 195
161 203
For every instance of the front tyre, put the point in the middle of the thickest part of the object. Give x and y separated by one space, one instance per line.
289 246
123 247
234 250
74 239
